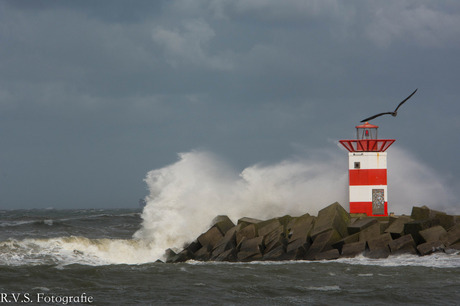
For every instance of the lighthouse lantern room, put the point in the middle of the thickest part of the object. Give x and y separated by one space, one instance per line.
367 171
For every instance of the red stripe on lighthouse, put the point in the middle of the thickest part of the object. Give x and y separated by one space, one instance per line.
368 177
366 207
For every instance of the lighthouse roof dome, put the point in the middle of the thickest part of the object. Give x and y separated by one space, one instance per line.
366 125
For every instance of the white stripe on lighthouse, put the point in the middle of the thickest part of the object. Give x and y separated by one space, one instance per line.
367 160
364 193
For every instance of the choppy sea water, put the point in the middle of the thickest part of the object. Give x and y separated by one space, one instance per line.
50 256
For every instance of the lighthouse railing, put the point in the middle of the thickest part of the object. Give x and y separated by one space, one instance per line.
367 145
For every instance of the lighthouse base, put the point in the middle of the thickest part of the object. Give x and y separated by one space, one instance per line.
369 208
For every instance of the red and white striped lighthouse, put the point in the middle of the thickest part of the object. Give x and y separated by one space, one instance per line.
367 171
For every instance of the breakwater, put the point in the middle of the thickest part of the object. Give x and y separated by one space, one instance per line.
333 234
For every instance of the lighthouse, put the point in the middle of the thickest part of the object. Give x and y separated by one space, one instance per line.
367 171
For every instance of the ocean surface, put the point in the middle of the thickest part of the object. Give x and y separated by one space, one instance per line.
73 257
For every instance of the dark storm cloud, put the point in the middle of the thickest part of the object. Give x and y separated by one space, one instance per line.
117 11
95 94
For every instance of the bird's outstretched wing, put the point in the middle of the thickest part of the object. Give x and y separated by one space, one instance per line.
378 115
391 113
399 105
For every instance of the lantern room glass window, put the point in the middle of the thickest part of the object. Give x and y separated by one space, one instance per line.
366 133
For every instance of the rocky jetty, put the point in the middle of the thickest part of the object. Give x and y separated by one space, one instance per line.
334 233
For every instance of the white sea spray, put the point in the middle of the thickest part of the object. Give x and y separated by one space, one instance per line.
185 196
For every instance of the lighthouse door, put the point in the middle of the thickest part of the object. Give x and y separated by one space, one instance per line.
378 202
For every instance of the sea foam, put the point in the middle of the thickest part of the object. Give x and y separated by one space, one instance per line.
186 196
74 250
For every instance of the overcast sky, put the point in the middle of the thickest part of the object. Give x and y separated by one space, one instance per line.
94 94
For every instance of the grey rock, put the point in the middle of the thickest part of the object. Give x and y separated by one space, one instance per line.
403 245
396 228
414 228
300 228
210 238
378 247
452 236
223 223
370 232
328 255
333 217
433 233
430 247
360 225
353 249
226 243
267 227
251 249
277 253
247 232
275 238
322 242
228 255
349 239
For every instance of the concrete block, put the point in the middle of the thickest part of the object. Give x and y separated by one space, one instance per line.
370 232
251 248
323 242
202 254
328 255
226 243
454 248
333 217
285 220
353 218
403 245
357 216
414 228
247 221
430 247
223 223
349 239
379 242
296 244
396 228
193 247
379 253
353 249
297 250
183 256
452 236
384 225
268 226
393 218
443 219
433 233
300 228
247 232
446 221
378 247
360 225
248 256
169 255
421 213
210 238
228 255
275 238
263 227
277 253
